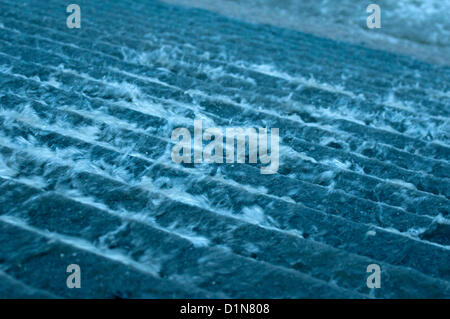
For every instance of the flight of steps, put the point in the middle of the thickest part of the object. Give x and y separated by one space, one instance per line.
86 175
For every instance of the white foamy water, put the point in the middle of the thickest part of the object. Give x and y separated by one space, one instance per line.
419 28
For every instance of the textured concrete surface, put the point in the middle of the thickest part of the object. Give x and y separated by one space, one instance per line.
86 175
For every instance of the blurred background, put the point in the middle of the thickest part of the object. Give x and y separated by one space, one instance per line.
420 28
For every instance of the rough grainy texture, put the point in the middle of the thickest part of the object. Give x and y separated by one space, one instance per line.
419 28
86 175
